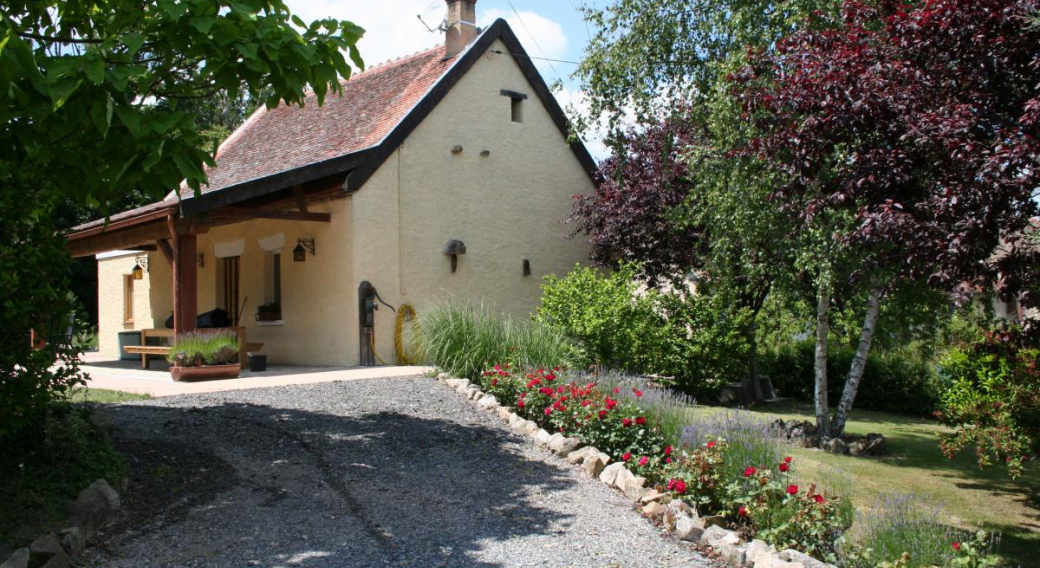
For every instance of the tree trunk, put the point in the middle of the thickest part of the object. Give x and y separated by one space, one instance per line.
756 387
859 363
823 308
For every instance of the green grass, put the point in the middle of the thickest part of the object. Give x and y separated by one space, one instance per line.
973 498
105 396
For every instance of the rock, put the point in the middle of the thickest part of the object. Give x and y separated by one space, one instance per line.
714 521
594 465
513 418
810 441
555 438
46 545
654 510
759 550
675 510
504 413
610 473
579 455
520 424
791 555
541 437
688 529
734 554
20 559
102 420
457 383
653 495
531 428
623 478
563 445
93 505
871 445
835 445
472 392
73 541
635 488
717 537
489 401
443 377
60 560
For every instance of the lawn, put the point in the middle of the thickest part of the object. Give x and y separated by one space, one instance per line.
105 396
974 498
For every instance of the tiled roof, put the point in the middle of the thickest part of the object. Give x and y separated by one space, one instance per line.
288 137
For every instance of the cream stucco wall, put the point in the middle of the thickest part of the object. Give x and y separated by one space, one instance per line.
506 207
111 273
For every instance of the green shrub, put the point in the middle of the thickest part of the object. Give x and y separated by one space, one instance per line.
45 468
462 339
898 524
618 327
894 381
696 341
992 399
205 347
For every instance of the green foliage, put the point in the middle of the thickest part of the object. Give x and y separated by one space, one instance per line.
697 341
33 296
205 347
605 312
75 76
992 399
749 441
464 339
896 381
58 454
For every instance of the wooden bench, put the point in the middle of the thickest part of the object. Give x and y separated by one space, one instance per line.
146 351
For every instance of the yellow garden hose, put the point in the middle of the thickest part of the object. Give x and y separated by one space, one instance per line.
406 311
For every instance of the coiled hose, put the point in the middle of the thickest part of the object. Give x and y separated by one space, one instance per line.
406 311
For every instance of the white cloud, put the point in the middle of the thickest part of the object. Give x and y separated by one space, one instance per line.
534 30
391 28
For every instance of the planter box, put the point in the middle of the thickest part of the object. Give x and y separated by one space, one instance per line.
206 372
268 316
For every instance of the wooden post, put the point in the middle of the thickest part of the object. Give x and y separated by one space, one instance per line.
185 284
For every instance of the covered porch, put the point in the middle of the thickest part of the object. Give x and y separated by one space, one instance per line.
226 250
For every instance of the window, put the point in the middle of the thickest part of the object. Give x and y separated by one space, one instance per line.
516 104
518 110
128 298
273 278
227 287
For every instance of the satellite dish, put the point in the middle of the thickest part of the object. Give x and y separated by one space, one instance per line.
434 15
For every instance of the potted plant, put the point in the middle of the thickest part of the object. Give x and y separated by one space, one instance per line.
269 312
205 354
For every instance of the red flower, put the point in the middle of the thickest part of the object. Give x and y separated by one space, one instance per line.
819 499
667 450
494 382
627 456
546 391
792 489
519 404
637 392
550 377
667 460
742 511
957 546
784 467
610 403
787 459
711 444
644 460
750 471
677 485
626 422
548 410
617 390
602 414
640 420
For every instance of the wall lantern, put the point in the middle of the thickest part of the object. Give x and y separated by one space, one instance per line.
454 248
303 246
140 265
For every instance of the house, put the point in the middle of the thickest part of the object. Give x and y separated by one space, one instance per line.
444 174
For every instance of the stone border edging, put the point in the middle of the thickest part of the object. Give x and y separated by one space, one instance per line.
673 515
92 508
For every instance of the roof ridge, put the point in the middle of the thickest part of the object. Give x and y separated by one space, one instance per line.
381 66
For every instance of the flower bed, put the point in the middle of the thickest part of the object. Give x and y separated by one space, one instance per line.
728 472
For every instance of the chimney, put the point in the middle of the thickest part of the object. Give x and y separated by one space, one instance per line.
461 24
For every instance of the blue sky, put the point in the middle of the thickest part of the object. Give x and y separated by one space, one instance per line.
546 28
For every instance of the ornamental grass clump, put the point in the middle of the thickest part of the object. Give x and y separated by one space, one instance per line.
900 526
205 347
464 339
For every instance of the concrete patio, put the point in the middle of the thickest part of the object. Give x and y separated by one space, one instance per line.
128 376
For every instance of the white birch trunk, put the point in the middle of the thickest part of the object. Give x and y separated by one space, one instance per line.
859 364
823 307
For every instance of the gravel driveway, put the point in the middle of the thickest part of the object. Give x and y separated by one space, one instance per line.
380 472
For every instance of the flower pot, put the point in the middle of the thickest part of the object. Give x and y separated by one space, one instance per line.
206 372
268 316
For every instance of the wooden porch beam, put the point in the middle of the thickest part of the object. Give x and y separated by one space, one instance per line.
266 213
301 200
167 250
185 284
118 239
